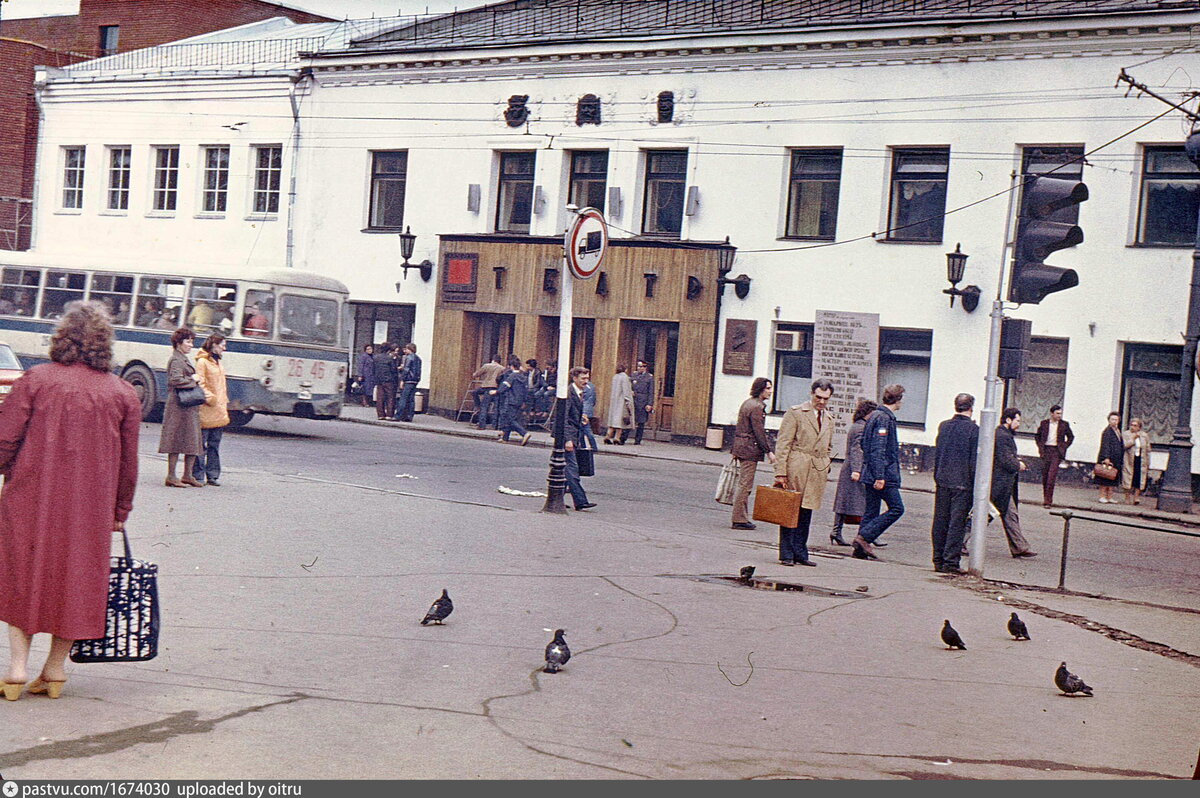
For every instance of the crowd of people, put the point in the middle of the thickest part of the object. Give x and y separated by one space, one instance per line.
387 375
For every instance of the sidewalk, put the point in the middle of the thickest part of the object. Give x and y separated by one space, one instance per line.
1067 497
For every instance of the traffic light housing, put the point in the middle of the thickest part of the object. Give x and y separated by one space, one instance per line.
1045 225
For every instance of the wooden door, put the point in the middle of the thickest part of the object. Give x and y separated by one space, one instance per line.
657 343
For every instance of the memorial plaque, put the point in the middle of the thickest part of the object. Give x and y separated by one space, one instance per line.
846 350
740 336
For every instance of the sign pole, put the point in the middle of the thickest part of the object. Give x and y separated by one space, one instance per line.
556 484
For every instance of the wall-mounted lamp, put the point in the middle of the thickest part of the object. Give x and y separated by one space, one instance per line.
741 283
956 266
407 242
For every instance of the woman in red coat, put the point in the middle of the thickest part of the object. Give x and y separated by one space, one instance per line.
68 451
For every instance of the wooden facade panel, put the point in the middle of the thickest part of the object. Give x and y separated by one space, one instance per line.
693 379
448 358
525 337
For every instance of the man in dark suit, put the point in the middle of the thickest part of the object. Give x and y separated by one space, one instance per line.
643 399
1053 437
573 426
387 374
954 476
1006 470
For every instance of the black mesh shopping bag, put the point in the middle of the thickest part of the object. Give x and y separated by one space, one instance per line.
131 630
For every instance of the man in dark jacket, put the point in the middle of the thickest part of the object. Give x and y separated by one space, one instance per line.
1006 471
573 434
881 473
643 399
954 478
410 375
750 445
512 392
386 376
1053 437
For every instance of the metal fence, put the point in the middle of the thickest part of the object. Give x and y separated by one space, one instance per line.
1067 516
254 53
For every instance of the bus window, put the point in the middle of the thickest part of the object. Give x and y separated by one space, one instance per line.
61 288
18 291
309 320
115 292
260 310
160 301
210 307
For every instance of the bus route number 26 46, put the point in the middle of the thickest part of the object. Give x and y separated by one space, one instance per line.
296 368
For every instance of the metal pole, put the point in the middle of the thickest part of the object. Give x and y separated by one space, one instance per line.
1062 564
556 484
987 418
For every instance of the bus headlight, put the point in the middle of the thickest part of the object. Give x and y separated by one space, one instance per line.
268 364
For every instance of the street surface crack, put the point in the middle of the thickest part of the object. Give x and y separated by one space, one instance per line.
1028 764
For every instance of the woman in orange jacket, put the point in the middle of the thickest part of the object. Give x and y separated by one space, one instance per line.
214 413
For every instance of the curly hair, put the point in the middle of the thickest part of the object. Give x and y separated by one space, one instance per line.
181 335
84 335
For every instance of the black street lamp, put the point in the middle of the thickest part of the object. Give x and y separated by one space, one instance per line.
407 241
741 283
956 267
1175 491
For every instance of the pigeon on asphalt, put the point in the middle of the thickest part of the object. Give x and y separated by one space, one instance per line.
439 610
746 573
1016 628
950 637
1068 682
557 653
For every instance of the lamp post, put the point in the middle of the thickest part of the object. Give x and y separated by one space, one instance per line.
725 258
408 241
1175 492
956 267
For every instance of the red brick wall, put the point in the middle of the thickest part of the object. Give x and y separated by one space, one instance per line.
58 33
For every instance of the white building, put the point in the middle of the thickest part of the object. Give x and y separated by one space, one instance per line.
826 146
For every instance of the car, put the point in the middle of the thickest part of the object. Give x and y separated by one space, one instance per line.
10 370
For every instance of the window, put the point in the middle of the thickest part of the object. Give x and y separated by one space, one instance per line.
918 197
118 178
160 303
166 178
1044 384
260 314
904 358
18 291
216 180
389 172
514 206
666 179
1170 198
813 194
308 320
268 168
589 177
110 36
1150 388
61 288
115 292
72 196
210 307
793 365
1061 162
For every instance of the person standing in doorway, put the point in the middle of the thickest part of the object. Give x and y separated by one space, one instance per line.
365 374
1112 452
881 473
954 478
573 433
850 501
1053 438
1006 473
1136 464
803 456
386 375
410 376
642 382
750 445
214 413
620 408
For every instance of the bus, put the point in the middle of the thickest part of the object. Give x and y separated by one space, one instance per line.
287 330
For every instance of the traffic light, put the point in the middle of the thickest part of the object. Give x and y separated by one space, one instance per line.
1045 225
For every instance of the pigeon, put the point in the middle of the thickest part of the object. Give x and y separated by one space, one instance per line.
746 573
439 610
1016 628
950 637
557 653
1068 682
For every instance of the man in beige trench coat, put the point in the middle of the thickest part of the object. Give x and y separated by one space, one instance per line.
803 453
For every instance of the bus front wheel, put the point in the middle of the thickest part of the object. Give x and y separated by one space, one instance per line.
240 418
142 380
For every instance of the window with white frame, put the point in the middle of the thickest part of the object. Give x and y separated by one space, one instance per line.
73 162
389 177
904 357
514 201
1150 388
918 196
1170 198
1044 384
793 347
813 194
589 178
666 182
215 197
268 171
118 178
166 178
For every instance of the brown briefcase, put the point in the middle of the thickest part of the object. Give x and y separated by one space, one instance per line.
776 506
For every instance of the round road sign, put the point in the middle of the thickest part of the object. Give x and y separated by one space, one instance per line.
586 243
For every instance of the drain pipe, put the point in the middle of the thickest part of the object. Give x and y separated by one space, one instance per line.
296 78
39 88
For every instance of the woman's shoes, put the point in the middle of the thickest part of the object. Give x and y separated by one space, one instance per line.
837 539
190 480
174 482
52 688
12 690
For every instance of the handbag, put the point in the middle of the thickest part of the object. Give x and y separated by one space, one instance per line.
190 397
1105 471
727 482
131 625
585 458
777 505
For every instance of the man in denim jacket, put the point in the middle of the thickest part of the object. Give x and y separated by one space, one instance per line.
881 473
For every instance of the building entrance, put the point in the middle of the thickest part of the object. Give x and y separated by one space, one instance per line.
657 343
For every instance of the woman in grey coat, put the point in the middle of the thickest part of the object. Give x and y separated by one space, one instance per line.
620 408
851 498
180 425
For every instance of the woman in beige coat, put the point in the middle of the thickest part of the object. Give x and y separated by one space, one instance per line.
620 408
1137 462
214 413
803 454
